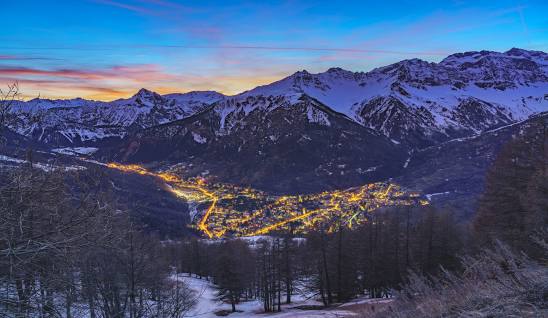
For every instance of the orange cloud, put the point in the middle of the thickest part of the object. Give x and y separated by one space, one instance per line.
135 72
123 81
106 83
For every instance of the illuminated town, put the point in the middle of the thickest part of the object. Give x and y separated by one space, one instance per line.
229 210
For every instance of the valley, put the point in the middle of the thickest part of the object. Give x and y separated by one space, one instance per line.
308 151
229 210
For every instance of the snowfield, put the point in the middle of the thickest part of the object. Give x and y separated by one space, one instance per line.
207 305
76 150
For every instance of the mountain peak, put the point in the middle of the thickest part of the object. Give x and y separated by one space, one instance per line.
474 56
335 70
300 73
525 53
204 94
206 97
516 51
340 72
143 92
470 56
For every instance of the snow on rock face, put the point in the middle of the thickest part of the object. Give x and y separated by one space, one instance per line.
336 88
39 104
195 102
415 100
233 112
515 65
68 122
6 161
76 150
198 138
315 115
206 97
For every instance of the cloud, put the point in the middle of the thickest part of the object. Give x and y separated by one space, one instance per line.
150 7
26 58
133 8
67 73
314 49
356 49
136 73
168 4
103 83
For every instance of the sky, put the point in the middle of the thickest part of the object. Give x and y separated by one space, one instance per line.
108 49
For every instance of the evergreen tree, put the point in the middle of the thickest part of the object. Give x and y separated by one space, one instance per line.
513 206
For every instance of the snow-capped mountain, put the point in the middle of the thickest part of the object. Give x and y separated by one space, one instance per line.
309 132
413 102
77 121
282 145
423 103
338 128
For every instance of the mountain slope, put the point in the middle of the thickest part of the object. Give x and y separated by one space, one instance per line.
78 122
271 143
454 172
421 103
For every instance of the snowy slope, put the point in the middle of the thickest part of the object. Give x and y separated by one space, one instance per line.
422 102
207 304
75 121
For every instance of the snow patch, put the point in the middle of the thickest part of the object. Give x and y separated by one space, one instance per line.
370 169
42 166
407 162
315 115
75 150
198 138
431 195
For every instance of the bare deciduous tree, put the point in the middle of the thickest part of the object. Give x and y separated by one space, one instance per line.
7 98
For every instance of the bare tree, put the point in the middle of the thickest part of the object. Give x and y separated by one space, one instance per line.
65 245
233 273
7 98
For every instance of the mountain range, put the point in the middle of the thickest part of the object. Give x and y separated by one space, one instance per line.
410 121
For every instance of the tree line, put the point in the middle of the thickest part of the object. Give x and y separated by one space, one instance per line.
333 267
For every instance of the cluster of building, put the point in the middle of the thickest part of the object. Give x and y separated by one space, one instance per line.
237 211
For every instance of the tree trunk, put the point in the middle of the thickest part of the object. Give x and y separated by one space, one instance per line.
339 265
326 270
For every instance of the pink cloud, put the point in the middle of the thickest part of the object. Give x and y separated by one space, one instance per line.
18 58
104 83
138 73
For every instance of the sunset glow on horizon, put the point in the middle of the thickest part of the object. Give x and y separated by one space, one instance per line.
109 49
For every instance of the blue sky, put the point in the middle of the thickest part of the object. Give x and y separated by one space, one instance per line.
106 49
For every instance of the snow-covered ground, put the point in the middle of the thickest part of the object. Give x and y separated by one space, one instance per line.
76 150
14 162
207 305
